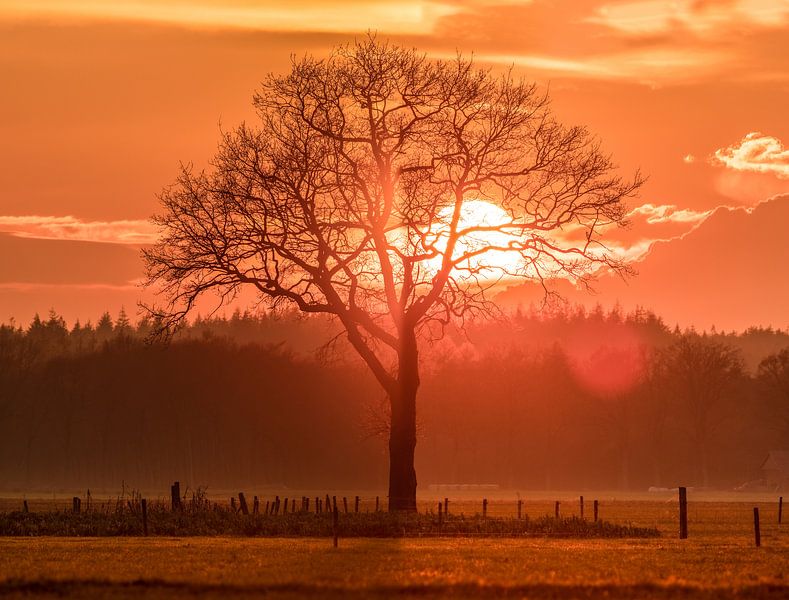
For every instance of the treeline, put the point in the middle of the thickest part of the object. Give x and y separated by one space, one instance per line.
572 399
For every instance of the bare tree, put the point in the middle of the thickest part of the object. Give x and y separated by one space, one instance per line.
773 375
701 375
352 194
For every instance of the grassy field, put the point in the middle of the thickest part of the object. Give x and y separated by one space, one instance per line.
718 561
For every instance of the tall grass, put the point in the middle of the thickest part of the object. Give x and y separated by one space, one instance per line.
203 517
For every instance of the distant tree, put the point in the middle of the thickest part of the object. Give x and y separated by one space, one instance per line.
773 375
701 375
123 326
104 327
357 195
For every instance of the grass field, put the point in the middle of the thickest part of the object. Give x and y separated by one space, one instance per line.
718 561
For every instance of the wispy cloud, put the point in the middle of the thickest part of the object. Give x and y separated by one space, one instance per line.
756 153
703 18
392 16
665 213
74 229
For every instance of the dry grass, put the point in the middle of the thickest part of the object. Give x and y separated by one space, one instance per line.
718 561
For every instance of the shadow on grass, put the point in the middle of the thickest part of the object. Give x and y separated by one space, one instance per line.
164 589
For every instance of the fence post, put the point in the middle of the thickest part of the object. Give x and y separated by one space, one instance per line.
440 515
317 505
582 506
144 506
446 506
175 496
520 508
334 503
595 510
683 513
242 503
345 504
328 503
780 508
556 509
255 505
356 504
484 508
756 533
75 502
377 503
335 523
25 507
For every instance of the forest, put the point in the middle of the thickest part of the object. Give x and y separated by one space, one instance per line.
565 399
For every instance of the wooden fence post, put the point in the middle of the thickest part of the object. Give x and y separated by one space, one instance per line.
446 506
484 508
175 496
335 523
328 503
582 506
556 509
756 533
596 504
255 505
25 508
356 504
75 502
377 504
683 513
334 502
144 506
440 515
520 508
242 502
268 507
780 508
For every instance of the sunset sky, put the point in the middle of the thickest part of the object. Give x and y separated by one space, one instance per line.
101 100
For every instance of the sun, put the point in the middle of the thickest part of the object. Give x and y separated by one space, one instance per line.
499 260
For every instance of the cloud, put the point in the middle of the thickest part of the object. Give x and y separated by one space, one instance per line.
651 223
756 153
705 19
73 229
665 213
393 16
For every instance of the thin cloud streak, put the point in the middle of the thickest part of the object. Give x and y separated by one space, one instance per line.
392 16
69 228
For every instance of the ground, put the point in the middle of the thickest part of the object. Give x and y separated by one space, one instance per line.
719 560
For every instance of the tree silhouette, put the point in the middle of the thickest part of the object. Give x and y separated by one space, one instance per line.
701 375
357 195
773 375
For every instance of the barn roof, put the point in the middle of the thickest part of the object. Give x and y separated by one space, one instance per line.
777 460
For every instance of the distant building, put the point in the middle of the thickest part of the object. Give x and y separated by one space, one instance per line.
775 469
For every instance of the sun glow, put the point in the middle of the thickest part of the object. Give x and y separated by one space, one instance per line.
499 258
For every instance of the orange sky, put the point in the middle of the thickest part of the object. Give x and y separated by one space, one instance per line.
101 100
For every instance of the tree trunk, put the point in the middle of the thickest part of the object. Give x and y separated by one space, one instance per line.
402 432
